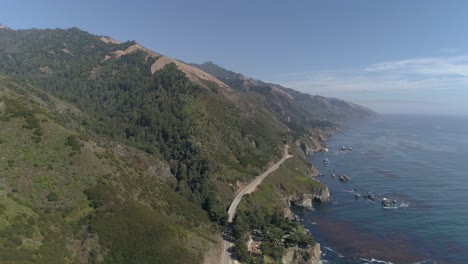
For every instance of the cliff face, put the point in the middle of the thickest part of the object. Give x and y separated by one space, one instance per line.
309 145
310 255
315 140
307 200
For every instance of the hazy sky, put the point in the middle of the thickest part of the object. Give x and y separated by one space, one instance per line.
393 56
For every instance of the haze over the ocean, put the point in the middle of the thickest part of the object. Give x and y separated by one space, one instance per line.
394 56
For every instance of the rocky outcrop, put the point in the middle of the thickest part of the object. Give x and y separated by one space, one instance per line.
315 140
309 255
304 200
308 145
307 200
288 213
322 195
388 202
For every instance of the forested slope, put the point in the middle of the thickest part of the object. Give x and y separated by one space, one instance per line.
66 199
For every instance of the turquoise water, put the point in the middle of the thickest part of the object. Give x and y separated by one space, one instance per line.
420 161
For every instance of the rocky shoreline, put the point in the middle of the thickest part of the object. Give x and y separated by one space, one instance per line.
363 244
309 145
303 256
303 190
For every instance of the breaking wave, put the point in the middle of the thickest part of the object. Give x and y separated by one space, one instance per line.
373 260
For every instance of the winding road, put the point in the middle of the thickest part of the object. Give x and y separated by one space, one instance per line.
226 257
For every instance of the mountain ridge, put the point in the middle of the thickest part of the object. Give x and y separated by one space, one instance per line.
241 81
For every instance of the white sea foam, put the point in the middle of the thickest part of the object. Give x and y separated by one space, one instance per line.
333 251
404 205
373 260
329 249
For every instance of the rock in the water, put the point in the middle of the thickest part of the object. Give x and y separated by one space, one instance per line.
388 203
345 148
369 196
344 178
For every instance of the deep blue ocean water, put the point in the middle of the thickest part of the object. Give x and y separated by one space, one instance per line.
420 161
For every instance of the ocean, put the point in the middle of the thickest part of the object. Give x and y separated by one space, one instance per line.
419 161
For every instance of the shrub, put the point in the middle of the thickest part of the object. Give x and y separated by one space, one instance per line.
73 142
52 197
96 195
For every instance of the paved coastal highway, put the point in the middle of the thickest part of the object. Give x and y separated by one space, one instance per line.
226 256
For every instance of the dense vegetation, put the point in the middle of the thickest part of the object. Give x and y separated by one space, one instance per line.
64 199
261 214
197 131
275 232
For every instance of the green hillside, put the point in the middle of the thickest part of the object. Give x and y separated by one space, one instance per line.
211 137
65 199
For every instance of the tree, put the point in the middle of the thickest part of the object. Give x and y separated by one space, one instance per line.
242 253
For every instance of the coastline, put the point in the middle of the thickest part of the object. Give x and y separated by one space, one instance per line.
310 145
296 183
362 230
334 227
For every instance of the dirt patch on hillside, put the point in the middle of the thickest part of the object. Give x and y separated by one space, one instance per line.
194 74
108 40
214 254
67 51
132 49
46 70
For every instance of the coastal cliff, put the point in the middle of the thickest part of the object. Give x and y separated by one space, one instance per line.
307 200
297 255
309 145
315 140
266 216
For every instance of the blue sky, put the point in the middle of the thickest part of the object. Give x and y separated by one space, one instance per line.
393 56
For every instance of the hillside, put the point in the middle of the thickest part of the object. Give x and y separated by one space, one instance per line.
205 132
153 149
66 199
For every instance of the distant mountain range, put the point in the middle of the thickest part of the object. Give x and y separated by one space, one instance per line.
315 107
